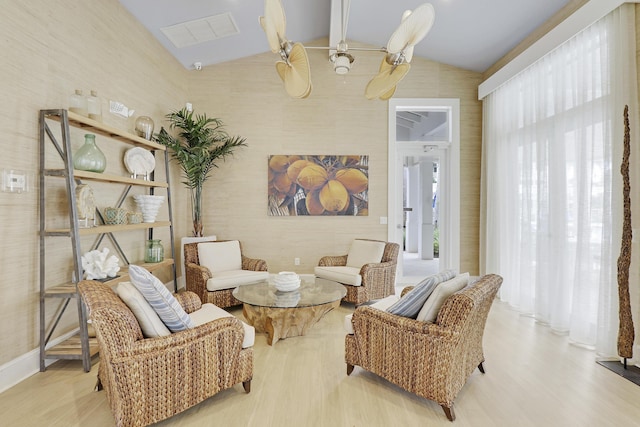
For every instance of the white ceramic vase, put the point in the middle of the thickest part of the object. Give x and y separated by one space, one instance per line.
149 205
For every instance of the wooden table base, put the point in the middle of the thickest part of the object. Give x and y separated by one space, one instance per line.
281 323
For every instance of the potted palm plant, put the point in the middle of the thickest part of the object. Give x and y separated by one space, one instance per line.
198 147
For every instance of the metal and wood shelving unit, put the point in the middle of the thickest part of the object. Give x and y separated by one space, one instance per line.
80 346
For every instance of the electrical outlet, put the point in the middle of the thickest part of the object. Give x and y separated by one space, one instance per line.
296 261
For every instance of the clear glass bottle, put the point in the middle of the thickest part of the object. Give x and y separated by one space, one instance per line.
144 127
78 103
154 251
94 106
89 157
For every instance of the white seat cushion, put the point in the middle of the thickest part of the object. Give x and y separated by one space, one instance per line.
341 274
220 256
148 319
234 278
444 290
209 312
364 252
381 305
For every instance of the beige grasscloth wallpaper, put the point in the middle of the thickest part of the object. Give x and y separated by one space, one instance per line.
51 48
335 119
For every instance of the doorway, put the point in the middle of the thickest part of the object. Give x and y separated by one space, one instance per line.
424 133
420 249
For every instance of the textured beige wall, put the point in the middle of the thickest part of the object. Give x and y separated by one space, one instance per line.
336 119
49 49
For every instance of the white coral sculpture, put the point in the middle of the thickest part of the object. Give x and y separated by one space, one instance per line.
99 265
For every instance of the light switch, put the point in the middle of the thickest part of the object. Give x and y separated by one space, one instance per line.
14 181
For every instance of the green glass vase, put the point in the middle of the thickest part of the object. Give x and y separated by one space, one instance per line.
154 251
89 157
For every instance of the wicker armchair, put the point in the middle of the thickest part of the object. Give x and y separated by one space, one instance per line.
197 276
378 279
432 360
149 380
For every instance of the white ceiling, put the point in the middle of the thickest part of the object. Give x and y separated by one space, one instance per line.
470 34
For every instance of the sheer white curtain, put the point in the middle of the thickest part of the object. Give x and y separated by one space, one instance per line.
552 149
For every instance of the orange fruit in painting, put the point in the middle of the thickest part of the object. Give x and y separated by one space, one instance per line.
333 196
279 163
354 180
312 177
312 201
282 183
294 169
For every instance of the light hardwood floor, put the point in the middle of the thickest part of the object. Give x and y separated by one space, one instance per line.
534 378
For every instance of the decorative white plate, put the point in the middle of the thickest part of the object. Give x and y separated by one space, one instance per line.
139 161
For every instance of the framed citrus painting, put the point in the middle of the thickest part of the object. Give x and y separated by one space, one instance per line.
301 185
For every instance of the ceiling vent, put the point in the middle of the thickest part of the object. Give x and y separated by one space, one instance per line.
201 30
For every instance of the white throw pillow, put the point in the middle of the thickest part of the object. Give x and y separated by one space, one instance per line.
165 305
149 321
220 256
364 252
444 290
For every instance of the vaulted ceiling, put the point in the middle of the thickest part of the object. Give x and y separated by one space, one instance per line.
469 34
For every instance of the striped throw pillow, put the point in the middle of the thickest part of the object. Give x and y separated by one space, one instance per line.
160 299
410 304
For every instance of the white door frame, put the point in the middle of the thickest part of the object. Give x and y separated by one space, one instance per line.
449 185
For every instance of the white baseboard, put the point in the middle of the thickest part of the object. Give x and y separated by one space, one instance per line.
22 367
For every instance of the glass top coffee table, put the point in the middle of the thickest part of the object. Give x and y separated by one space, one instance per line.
288 314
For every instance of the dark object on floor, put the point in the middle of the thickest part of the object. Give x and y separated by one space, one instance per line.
626 333
632 373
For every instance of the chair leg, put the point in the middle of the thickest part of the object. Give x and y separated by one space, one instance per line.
349 368
481 367
98 386
451 416
247 386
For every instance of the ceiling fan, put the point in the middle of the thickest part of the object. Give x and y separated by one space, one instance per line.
294 69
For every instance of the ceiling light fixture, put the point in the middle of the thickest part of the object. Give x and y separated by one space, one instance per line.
294 68
341 62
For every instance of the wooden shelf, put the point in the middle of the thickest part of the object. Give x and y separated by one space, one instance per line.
71 349
109 131
103 177
103 229
68 290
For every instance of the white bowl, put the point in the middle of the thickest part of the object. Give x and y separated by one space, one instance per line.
288 299
149 206
287 287
286 281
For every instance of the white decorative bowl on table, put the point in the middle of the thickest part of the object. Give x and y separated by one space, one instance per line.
287 299
286 281
149 206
